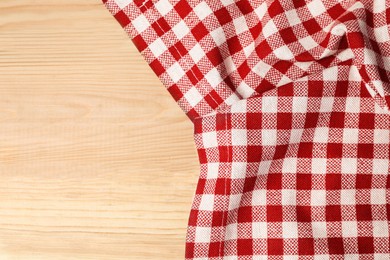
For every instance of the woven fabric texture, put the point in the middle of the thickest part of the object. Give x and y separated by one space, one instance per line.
290 106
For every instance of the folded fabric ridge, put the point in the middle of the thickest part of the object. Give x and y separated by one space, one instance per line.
290 105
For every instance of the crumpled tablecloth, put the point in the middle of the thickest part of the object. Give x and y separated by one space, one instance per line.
290 104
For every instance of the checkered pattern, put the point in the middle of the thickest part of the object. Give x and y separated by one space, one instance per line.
290 105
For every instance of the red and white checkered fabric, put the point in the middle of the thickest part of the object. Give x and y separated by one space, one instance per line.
290 104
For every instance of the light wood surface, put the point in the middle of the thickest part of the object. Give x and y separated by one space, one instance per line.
97 161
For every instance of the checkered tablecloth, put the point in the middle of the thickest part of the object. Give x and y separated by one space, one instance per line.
290 104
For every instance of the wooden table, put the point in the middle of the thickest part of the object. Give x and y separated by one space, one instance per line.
97 161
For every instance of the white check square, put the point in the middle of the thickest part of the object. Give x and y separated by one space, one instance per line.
380 228
381 136
316 7
318 198
240 25
175 72
321 135
269 104
234 201
292 17
350 135
214 77
261 68
347 197
269 29
196 53
319 229
259 197
283 53
123 3
193 96
268 137
259 230
290 229
308 43
349 165
378 196
352 105
380 166
245 90
349 228
212 170
219 36
163 6
157 47
202 10
180 30
210 139
289 197
207 202
299 105
289 165
141 23
231 231
202 234
238 170
318 165
239 137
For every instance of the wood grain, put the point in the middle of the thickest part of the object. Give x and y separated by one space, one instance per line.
97 161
